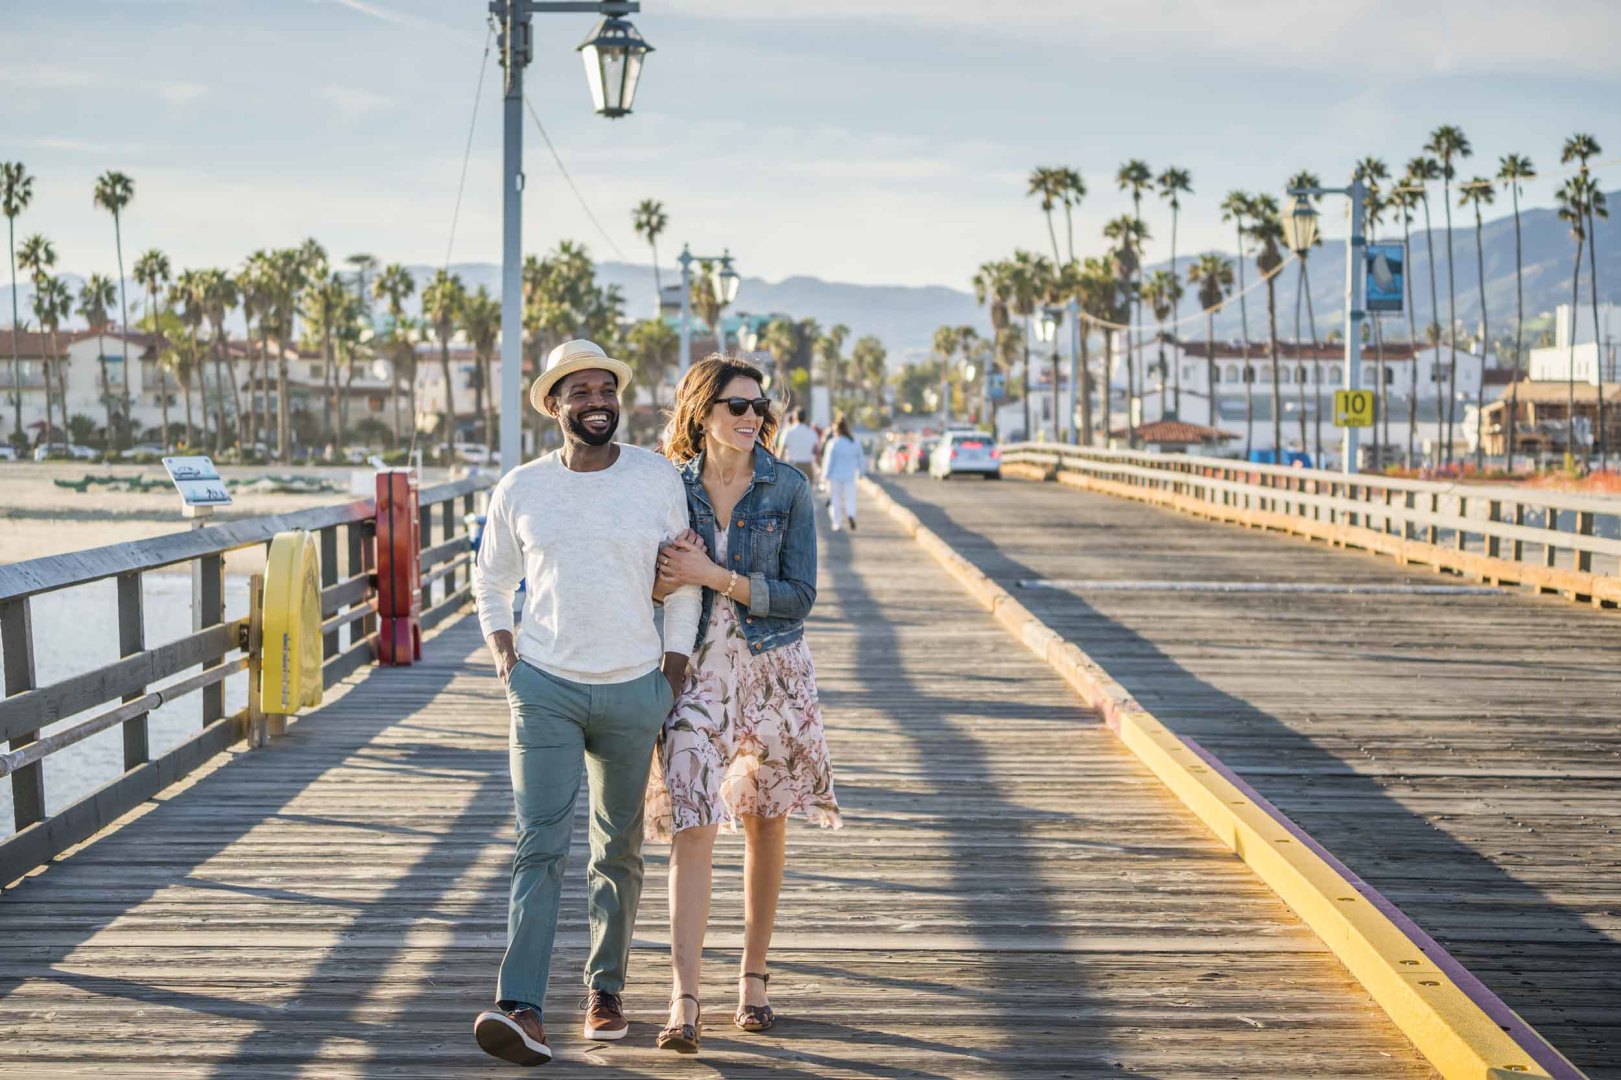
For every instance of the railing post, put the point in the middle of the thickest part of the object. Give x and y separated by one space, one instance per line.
1584 527
17 647
1432 534
1460 538
447 523
1550 523
329 577
358 563
258 735
425 541
1408 530
131 640
1494 515
1517 546
211 612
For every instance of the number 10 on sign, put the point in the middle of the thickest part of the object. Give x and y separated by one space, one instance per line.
1353 408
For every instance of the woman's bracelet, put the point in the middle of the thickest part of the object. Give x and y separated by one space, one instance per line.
731 583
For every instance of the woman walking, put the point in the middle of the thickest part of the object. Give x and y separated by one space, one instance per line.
743 744
842 465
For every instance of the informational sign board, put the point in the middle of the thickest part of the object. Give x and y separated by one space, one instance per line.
1387 270
198 482
1353 408
996 386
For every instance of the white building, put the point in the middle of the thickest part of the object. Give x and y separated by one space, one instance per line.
1307 378
1554 363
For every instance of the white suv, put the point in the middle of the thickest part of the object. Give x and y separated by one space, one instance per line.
966 452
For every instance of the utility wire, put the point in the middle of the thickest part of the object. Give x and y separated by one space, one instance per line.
533 115
467 154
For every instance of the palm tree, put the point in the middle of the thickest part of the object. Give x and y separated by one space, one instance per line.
1580 147
780 338
256 283
1235 208
16 192
1449 144
180 356
1572 199
325 307
1478 193
442 302
1074 190
653 346
1405 199
1159 293
991 292
1027 283
871 363
946 343
1305 178
219 297
649 220
394 285
152 274
96 297
1101 299
1420 172
113 192
53 303
1515 169
290 269
1214 276
829 349
1174 183
1266 229
37 257
1048 182
1136 177
481 320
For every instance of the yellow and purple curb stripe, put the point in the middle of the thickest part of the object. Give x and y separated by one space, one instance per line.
1460 1026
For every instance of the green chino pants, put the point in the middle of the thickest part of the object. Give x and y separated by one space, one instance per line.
560 727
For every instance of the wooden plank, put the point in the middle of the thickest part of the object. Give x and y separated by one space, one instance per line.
1456 752
1012 895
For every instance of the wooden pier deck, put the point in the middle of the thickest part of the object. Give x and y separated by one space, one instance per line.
1013 894
1460 751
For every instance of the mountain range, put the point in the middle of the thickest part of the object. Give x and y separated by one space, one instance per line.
905 317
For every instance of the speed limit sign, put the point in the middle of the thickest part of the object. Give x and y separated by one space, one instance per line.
1353 408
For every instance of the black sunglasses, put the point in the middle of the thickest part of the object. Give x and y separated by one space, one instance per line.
737 406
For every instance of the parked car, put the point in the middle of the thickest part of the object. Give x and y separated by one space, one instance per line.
72 450
966 452
145 449
8 452
476 454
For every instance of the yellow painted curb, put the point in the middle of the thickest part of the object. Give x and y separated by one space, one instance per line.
1449 1028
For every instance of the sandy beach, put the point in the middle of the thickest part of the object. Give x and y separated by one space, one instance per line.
38 517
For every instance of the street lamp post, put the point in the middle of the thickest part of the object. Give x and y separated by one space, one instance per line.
726 284
613 55
1047 331
1300 229
1075 374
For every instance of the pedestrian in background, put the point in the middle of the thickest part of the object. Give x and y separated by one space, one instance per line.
842 464
797 445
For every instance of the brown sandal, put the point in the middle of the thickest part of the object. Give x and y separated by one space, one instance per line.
682 1038
755 1018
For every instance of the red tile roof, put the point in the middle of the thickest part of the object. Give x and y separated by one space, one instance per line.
1176 432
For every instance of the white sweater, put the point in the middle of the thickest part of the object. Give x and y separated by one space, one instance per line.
587 544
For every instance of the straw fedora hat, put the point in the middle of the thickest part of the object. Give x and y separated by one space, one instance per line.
572 356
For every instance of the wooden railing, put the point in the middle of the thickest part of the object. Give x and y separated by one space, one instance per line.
123 693
1556 542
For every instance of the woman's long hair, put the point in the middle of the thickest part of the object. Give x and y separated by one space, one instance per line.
700 388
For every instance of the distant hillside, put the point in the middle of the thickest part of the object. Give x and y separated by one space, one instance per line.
905 317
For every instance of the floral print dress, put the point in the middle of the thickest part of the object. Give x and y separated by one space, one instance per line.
744 736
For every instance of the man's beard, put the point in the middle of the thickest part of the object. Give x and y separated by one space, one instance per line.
577 428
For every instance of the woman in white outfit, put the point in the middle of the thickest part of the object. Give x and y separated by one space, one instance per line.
841 466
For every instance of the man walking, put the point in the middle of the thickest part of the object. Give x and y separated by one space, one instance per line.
582 526
797 445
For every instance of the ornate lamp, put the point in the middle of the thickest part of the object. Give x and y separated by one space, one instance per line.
613 63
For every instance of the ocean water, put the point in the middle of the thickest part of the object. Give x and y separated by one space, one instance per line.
76 630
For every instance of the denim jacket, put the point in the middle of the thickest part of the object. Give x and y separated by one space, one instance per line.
771 540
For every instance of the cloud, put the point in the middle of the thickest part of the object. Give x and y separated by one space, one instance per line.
181 93
1393 37
353 103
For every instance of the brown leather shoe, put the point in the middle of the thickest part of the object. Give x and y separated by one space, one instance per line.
604 1017
517 1036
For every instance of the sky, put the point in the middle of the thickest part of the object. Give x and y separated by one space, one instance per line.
872 141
